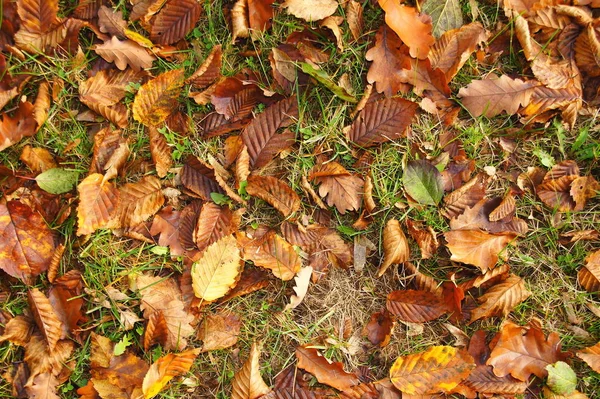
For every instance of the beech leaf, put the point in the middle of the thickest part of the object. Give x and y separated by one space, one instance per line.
423 182
247 382
57 180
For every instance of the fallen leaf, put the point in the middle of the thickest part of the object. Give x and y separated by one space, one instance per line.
209 71
324 79
501 298
111 21
302 281
483 380
199 178
160 151
37 159
415 306
338 186
562 380
18 330
379 329
157 98
465 197
310 10
395 246
275 192
247 382
57 180
138 201
389 55
45 317
419 36
591 356
42 386
354 18
165 369
326 372
439 368
272 252
589 275
20 125
219 331
477 248
125 53
423 182
175 20
426 238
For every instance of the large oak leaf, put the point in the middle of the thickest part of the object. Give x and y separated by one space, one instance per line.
125 53
389 55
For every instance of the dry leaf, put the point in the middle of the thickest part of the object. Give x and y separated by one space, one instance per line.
165 369
209 71
338 186
247 382
589 275
302 281
425 238
389 55
199 178
354 18
45 317
97 203
219 331
20 125
326 372
310 10
157 98
37 159
415 30
416 306
160 151
379 329
272 252
477 248
591 356
125 53
501 298
395 246
138 201
274 192
175 20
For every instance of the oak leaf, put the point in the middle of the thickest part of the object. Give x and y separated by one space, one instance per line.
589 275
489 97
157 98
219 331
476 247
382 121
217 271
438 369
274 192
591 356
389 55
45 317
271 252
138 201
326 372
522 351
415 306
501 298
165 369
27 243
261 136
310 10
415 30
125 53
338 186
175 20
395 246
302 281
247 382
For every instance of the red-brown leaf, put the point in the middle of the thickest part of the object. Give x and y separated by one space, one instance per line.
415 306
326 372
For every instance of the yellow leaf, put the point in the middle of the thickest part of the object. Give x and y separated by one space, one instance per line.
165 368
247 383
157 98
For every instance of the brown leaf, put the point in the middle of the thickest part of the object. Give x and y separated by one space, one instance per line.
379 329
165 369
252 279
389 55
122 379
427 82
247 382
209 71
20 125
589 275
382 121
261 137
125 53
395 246
522 351
421 281
27 243
400 17
310 10
157 98
138 201
326 372
338 186
477 248
275 192
35 42
260 14
591 356
489 97
440 368
18 330
425 238
65 297
271 252
478 217
583 189
239 22
41 106
544 99
162 295
556 193
41 359
454 47
465 197
111 151
37 159
42 386
175 20
506 208
157 331
199 178
160 151
302 280
219 331
111 21
501 298
214 222
45 318
354 18
483 380
415 306
37 16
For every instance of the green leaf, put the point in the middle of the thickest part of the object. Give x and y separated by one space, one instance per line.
326 81
57 180
122 345
445 15
561 378
219 199
423 182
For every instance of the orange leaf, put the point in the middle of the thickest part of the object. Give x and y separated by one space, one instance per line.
138 201
209 71
199 178
37 16
591 356
175 20
425 238
274 192
326 372
37 159
415 306
160 151
248 383
483 380
395 246
214 222
272 252
589 275
157 98
477 248
20 125
501 298
465 197
45 317
165 369
415 30
389 55
125 53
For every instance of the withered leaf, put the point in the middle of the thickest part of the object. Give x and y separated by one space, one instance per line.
591 356
274 192
20 125
65 297
261 136
175 20
395 246
425 238
354 18
157 98
248 383
27 243
111 150
37 159
214 222
272 252
160 151
379 329
219 331
302 280
477 247
260 14
382 121
310 10
465 197
165 369
415 306
111 21
18 330
199 178
523 351
37 16
338 186
483 380
45 317
400 17
138 201
209 71
125 53
589 275
389 55
439 368
326 372
501 298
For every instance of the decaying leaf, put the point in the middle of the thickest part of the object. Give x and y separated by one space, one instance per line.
272 252
219 331
157 98
338 186
389 55
416 306
302 281
379 329
165 369
477 247
326 372
501 298
395 246
247 382
274 192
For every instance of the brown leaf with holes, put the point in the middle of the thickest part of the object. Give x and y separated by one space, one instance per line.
175 20
27 244
165 369
199 178
522 351
591 356
476 247
160 151
138 201
157 98
326 372
125 53
16 127
389 55
415 306
272 252
45 317
395 246
501 298
219 331
338 186
379 328
261 136
247 382
275 192
589 275
426 238
381 121
209 71
582 189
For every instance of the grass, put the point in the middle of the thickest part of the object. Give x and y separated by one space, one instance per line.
335 310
